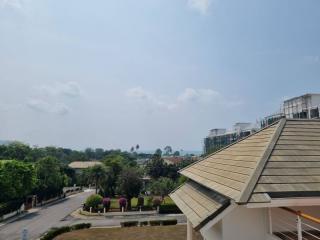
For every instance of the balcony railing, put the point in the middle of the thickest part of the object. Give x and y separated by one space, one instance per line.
289 224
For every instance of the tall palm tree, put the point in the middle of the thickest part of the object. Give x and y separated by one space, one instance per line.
98 173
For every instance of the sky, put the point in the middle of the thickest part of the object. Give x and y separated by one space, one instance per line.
117 73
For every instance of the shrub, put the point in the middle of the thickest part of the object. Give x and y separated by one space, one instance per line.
169 208
140 202
129 224
143 223
93 201
122 202
170 222
81 226
51 234
156 202
106 202
155 223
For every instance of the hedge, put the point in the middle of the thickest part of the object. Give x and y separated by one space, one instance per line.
129 224
169 208
169 222
155 222
53 232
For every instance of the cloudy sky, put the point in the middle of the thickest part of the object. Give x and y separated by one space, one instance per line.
116 73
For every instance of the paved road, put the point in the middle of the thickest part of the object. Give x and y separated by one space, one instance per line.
46 217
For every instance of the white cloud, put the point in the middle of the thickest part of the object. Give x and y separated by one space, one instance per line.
68 89
15 4
187 97
201 6
200 95
46 107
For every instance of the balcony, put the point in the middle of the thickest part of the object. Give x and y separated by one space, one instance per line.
290 224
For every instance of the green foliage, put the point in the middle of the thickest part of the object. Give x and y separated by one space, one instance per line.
156 168
11 206
169 222
167 150
94 201
54 232
17 179
163 186
51 234
129 224
169 209
98 174
50 177
130 183
176 153
155 222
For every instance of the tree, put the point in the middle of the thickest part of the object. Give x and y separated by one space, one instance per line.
130 183
97 174
167 150
50 177
163 186
137 147
176 154
158 152
17 180
132 149
155 167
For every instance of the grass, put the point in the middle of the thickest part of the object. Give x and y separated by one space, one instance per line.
177 232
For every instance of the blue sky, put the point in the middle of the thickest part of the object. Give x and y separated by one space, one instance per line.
155 72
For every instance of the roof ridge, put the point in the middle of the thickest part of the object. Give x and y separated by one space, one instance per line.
226 147
253 179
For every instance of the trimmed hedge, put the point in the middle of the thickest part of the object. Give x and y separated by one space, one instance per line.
129 224
143 223
155 222
169 208
169 222
53 232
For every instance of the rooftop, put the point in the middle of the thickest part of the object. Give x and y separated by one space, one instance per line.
280 161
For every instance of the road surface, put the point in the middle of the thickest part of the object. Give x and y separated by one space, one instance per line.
42 220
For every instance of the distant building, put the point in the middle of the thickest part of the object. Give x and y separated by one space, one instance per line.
173 160
78 166
302 107
220 137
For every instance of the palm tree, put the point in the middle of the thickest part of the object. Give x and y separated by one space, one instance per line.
98 173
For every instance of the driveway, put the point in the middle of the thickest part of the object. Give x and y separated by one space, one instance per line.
42 220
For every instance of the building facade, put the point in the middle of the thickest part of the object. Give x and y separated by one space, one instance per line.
220 137
302 107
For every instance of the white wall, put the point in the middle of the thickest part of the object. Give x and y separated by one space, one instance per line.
241 224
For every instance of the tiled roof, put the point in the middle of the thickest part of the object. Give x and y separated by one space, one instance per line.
229 170
280 161
198 203
83 164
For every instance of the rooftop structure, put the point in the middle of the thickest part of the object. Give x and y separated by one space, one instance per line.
83 164
220 137
236 187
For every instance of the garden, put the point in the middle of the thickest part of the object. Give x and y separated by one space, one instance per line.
97 204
